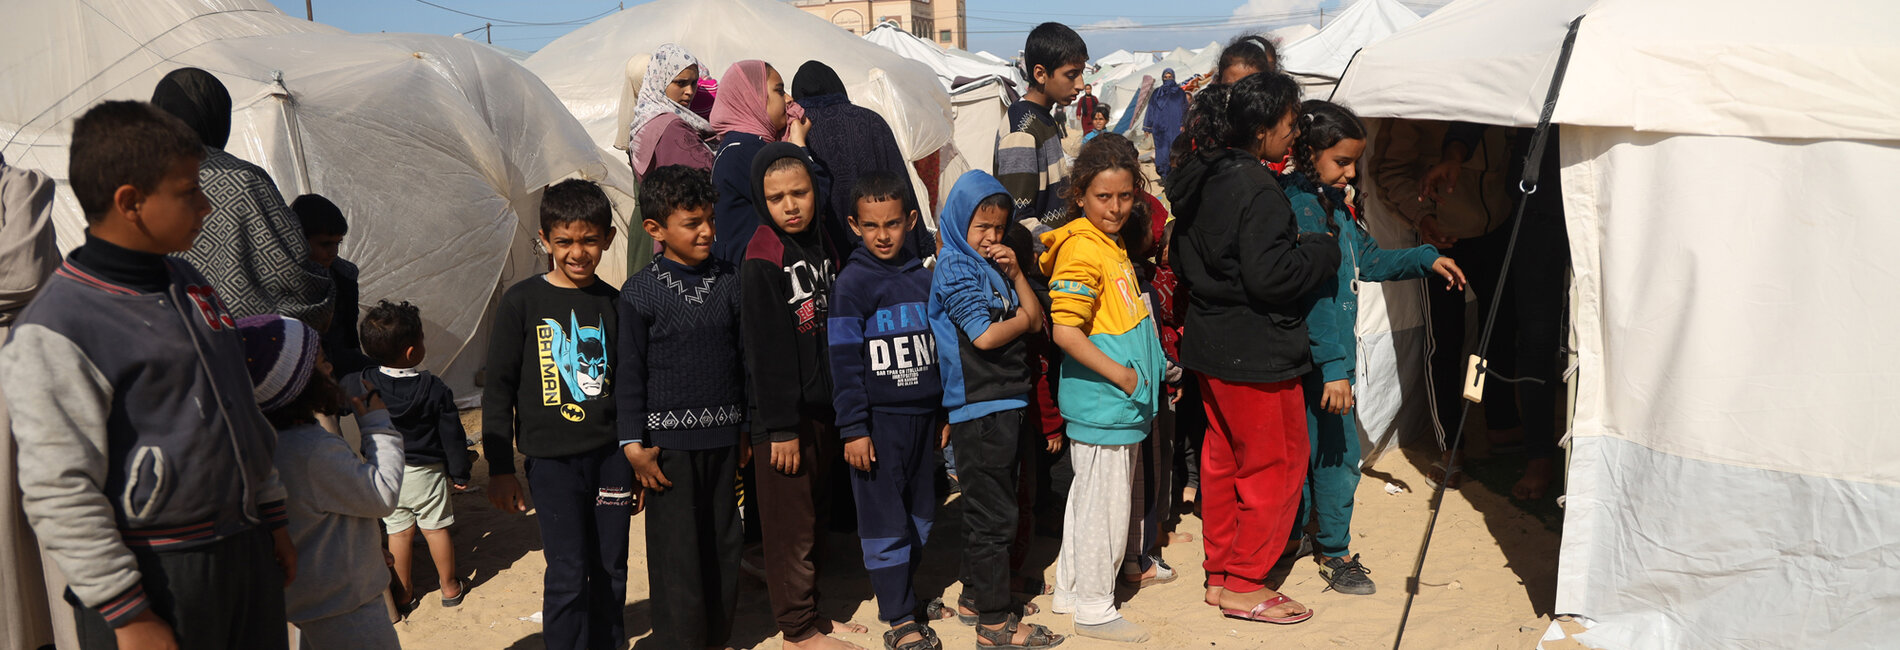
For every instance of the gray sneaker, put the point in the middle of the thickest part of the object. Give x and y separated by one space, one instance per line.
1347 576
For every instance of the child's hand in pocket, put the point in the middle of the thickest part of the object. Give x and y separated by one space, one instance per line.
859 453
1128 381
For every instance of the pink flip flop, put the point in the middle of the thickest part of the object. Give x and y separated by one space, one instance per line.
1258 614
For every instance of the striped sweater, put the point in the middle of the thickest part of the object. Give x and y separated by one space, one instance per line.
1031 165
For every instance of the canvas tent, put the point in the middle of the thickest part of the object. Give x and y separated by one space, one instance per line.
1317 60
436 148
1733 481
1291 34
587 67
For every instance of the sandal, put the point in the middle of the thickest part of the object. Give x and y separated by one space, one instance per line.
937 610
1259 612
1450 483
928 640
1000 638
462 593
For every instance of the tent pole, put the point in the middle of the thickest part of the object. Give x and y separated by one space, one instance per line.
1539 137
308 13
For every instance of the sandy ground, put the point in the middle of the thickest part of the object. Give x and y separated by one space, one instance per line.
1488 583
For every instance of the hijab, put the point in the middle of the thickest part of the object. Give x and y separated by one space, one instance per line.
199 99
742 102
815 79
666 64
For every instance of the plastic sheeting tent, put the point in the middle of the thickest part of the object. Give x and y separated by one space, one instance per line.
434 147
1325 53
587 67
1725 188
949 65
979 107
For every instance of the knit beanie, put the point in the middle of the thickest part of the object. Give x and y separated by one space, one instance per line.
281 354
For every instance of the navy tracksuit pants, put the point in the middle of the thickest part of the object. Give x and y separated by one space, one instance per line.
897 502
584 503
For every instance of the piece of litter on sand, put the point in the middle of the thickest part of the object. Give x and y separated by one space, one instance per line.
1455 585
1392 488
531 618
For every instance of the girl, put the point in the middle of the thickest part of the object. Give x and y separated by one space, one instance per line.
753 111
1325 158
1101 122
1245 268
663 129
336 500
1110 382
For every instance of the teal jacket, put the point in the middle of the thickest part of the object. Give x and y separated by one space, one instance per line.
1332 312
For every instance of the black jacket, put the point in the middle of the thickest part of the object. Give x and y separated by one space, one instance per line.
423 409
1244 266
785 293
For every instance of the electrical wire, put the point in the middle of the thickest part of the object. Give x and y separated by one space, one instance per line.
522 23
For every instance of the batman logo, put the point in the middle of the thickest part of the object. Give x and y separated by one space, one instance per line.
573 412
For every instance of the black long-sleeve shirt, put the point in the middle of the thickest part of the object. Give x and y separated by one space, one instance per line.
549 383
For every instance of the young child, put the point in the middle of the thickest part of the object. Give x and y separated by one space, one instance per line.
434 456
889 400
335 497
682 406
145 467
550 355
981 300
1110 383
1101 119
324 228
786 285
1246 267
1325 160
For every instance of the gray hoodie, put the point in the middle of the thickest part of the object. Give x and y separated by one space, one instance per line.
336 504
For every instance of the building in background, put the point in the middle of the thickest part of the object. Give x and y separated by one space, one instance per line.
937 21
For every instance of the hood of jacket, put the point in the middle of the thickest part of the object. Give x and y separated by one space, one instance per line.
812 239
957 254
1187 183
402 395
905 262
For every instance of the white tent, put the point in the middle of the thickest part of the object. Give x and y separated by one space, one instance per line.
1115 58
944 62
436 148
587 67
1325 54
1725 188
1291 34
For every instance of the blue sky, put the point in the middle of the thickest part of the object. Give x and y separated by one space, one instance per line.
994 25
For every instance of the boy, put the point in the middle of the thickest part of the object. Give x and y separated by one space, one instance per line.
145 466
981 301
786 286
884 374
1029 161
681 404
549 368
423 409
324 229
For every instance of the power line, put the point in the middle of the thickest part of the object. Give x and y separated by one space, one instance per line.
521 23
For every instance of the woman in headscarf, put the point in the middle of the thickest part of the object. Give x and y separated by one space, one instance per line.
28 254
1165 109
252 247
753 111
663 130
848 142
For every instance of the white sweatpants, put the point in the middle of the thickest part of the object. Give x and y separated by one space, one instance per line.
1095 530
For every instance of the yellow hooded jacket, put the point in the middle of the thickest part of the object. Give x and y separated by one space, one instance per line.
1092 287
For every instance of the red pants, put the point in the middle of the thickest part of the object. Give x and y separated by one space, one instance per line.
1252 466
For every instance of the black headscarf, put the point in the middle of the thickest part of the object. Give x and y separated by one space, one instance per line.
816 79
199 99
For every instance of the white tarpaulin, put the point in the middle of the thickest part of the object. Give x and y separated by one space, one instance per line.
587 67
1326 53
435 148
948 66
1730 482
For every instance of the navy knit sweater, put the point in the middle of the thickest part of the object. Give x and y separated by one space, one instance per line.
883 354
683 375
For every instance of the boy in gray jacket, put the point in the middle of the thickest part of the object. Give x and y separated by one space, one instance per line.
145 464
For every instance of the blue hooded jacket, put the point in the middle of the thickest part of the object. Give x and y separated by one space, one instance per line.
967 295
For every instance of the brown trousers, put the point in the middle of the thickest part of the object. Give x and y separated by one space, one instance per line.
789 507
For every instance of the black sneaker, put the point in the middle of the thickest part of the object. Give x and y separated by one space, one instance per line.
1347 576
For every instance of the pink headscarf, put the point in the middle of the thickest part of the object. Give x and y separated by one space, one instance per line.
742 100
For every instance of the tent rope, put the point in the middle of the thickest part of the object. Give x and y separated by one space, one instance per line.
1532 169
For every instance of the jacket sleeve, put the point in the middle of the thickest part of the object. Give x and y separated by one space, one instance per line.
60 403
503 380
330 478
1388 264
961 297
1276 269
771 350
448 427
280 257
630 380
845 331
1075 287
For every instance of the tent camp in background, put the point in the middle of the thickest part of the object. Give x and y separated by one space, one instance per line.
587 68
436 148
980 94
1726 190
1317 60
1291 34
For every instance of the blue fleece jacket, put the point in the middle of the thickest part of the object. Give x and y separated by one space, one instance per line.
1332 312
883 352
967 295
